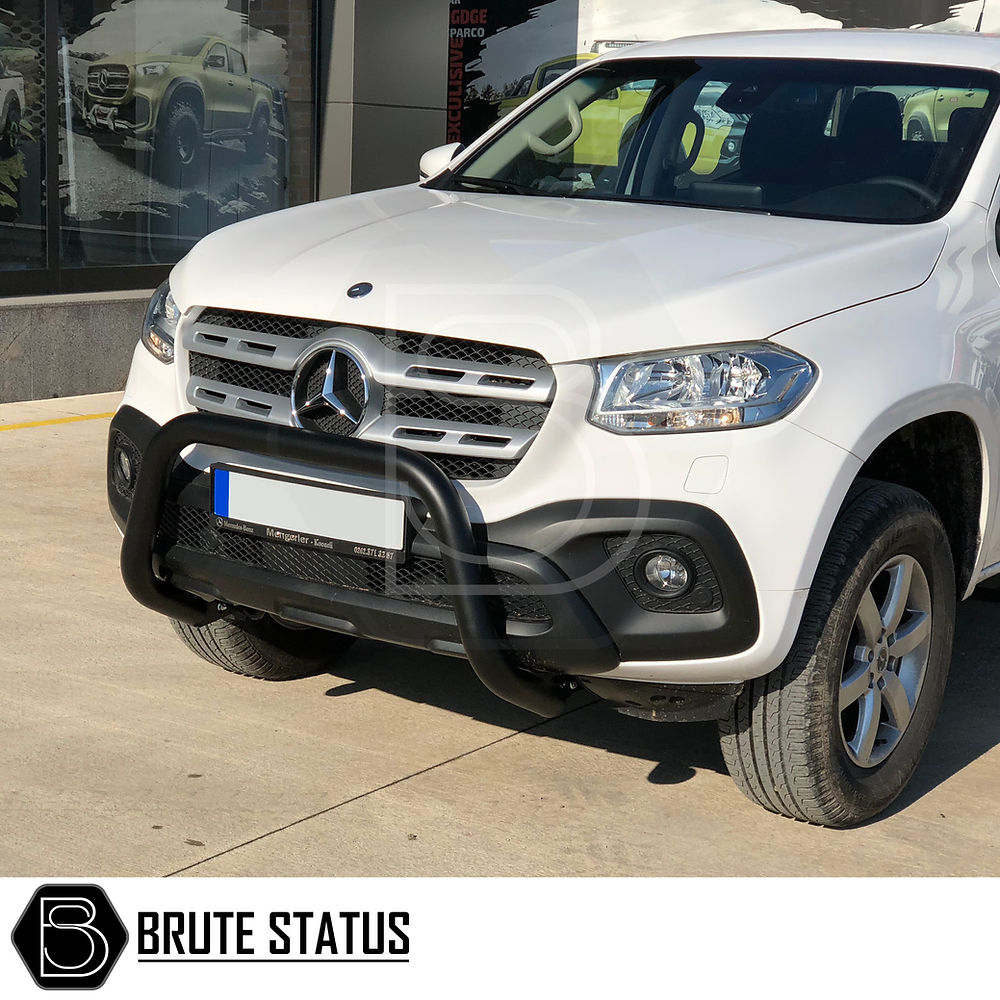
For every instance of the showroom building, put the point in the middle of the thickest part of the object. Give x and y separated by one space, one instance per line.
129 129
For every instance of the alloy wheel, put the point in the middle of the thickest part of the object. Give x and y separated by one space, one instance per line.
885 667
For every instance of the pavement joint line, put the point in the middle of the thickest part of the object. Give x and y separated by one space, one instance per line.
54 422
381 788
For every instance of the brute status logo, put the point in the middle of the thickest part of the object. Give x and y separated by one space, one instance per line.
69 937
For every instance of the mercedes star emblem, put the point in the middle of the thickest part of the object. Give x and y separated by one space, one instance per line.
330 392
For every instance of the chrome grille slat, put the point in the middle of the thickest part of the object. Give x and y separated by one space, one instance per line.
473 415
391 430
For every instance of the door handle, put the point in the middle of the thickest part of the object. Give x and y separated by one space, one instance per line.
231 84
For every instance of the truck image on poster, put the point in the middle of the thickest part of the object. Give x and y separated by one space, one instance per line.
177 98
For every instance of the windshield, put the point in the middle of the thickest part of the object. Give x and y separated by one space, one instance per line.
187 48
857 141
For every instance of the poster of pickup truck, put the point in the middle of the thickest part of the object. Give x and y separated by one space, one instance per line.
174 123
177 98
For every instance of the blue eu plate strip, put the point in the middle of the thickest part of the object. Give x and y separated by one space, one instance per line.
220 492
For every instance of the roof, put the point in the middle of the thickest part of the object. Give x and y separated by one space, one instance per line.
942 48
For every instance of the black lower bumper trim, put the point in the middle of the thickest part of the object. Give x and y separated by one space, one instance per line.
667 702
486 651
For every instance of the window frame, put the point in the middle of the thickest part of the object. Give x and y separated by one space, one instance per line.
235 54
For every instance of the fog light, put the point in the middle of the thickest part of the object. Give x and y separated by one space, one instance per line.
125 467
667 574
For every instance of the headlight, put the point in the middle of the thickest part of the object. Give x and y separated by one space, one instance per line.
160 324
152 69
714 388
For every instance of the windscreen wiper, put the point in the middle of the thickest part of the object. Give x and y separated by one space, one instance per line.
492 184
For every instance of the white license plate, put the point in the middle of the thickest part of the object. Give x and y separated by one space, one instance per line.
309 514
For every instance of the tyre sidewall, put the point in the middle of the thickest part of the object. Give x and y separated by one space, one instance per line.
166 156
257 141
10 138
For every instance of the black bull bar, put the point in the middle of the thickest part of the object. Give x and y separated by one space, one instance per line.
486 651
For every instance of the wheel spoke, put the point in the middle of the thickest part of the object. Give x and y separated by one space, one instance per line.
912 635
897 702
868 720
868 619
855 684
894 607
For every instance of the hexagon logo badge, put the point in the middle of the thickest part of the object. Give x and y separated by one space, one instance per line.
69 937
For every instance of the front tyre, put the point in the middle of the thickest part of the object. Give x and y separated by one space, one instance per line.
834 733
178 151
263 648
259 139
10 136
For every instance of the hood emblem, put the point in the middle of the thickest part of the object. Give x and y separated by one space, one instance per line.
360 290
331 393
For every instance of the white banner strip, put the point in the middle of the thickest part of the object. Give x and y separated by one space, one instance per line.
480 938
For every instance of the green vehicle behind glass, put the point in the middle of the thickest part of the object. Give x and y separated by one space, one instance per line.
927 115
176 97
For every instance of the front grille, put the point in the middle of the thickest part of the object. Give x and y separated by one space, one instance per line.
473 408
272 326
108 81
464 409
453 349
446 348
257 377
418 581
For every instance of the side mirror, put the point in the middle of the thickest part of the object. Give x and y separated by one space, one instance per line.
215 62
435 160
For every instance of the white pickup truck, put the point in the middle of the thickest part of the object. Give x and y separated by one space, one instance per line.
712 446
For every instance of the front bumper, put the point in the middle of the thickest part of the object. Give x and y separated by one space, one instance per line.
131 117
569 557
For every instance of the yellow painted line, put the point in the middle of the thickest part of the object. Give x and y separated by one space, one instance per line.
52 423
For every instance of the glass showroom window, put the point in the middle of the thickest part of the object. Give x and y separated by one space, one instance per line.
22 133
173 118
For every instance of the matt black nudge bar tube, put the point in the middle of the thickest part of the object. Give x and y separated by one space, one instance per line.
482 643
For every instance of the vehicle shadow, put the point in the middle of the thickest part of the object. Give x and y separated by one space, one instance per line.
675 751
969 725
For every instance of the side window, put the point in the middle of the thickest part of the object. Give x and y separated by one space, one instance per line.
237 63
217 58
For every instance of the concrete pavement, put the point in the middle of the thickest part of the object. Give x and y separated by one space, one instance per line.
123 754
